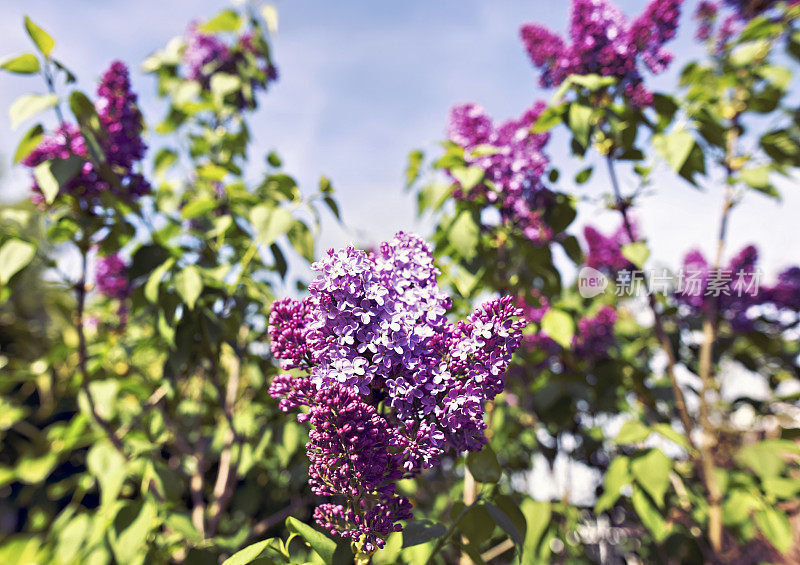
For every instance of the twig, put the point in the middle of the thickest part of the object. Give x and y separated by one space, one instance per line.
227 472
497 550
658 325
80 290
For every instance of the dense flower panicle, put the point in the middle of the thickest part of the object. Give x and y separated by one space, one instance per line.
513 166
111 277
289 322
604 42
374 331
605 252
786 292
595 335
121 143
120 117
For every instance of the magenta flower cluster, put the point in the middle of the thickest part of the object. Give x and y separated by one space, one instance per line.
390 383
604 252
513 160
206 54
120 141
738 290
603 41
111 277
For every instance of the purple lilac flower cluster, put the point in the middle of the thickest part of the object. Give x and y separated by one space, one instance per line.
121 143
605 251
737 288
111 277
740 12
206 54
592 342
391 384
513 165
605 42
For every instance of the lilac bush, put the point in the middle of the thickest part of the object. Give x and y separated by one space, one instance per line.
390 383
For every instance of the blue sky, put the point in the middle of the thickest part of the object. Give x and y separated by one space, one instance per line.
362 83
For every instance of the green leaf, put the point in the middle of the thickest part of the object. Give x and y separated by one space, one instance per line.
749 53
738 507
28 143
464 234
468 177
580 122
558 325
506 524
108 467
83 109
28 105
225 21
476 523
766 458
433 196
583 175
674 147
199 207
52 175
223 84
25 64
40 37
652 472
592 81
649 515
782 487
632 431
270 14
537 517
10 414
484 466
325 185
273 159
671 434
422 531
302 240
14 255
189 285
251 553
329 550
617 476
154 280
34 470
132 529
212 172
270 222
415 159
548 119
636 252
333 207
776 527
758 179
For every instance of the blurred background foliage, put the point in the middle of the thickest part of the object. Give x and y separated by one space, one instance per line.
136 427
